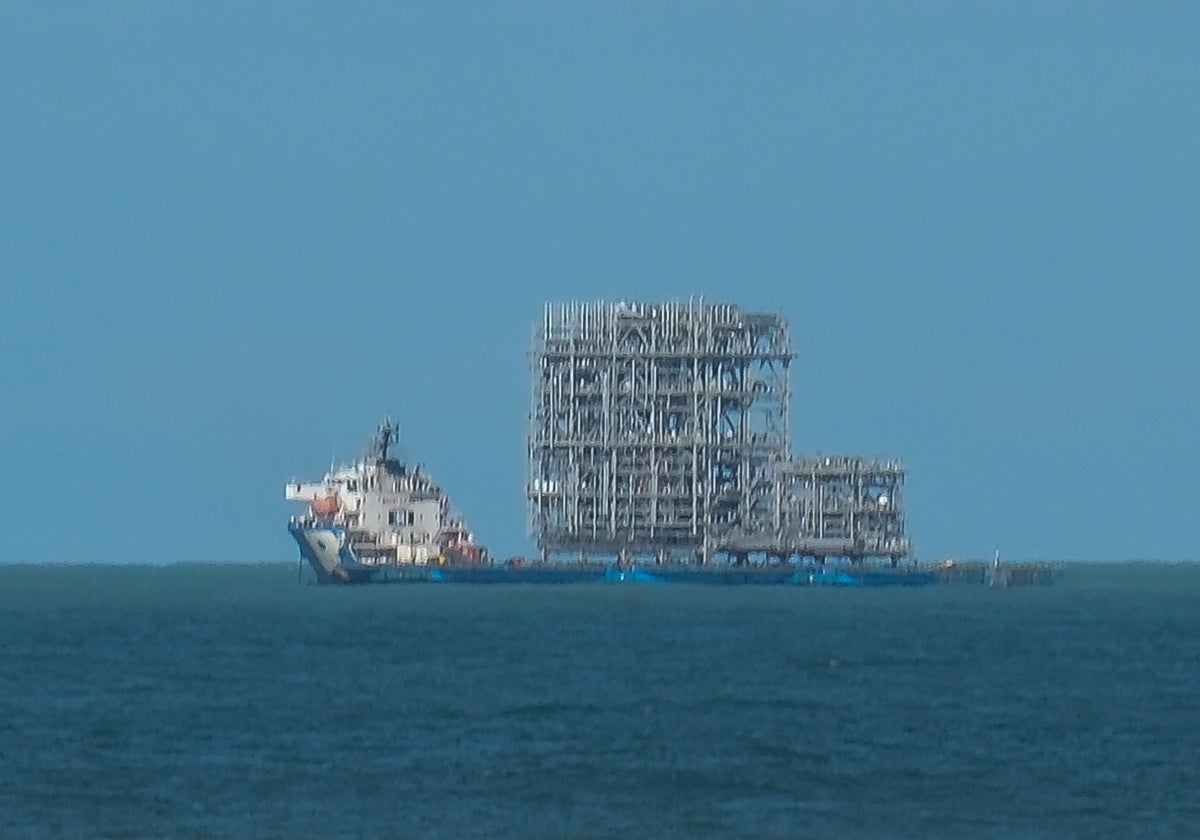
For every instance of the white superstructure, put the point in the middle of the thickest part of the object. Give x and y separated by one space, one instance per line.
376 514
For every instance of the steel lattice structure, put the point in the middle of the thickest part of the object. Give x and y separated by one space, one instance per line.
662 430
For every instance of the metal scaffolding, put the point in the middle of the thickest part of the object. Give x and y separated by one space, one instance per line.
842 506
661 430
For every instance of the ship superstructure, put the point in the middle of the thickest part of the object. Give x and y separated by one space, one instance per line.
379 519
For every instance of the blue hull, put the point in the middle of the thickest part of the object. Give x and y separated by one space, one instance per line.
510 574
326 551
899 579
782 576
704 576
873 578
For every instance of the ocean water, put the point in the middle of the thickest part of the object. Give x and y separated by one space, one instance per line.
228 701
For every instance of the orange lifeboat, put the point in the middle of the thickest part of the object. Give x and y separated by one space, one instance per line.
325 506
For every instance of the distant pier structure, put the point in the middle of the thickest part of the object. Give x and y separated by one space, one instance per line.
660 431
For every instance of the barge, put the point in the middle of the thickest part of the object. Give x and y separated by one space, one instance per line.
382 520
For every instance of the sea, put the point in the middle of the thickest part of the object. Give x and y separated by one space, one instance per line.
238 701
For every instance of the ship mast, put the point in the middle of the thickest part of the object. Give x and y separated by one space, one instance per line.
386 434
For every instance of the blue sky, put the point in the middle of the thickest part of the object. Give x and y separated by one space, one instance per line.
233 236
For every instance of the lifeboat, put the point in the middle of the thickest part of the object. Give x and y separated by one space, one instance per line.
325 506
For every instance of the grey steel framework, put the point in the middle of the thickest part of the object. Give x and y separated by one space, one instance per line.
661 430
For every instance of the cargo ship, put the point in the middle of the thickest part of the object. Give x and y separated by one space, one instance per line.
381 520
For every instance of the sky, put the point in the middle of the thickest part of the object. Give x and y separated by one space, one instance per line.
234 236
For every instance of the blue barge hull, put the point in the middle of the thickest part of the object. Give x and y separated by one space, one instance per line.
327 551
509 574
780 576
